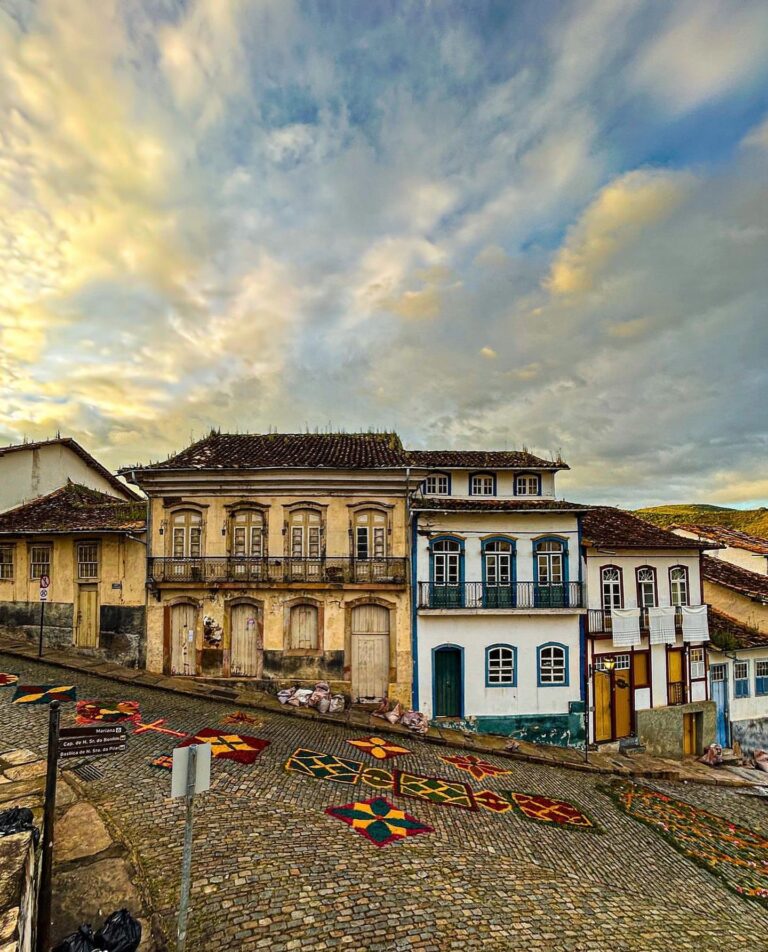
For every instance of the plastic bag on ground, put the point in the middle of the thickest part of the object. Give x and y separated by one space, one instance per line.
80 941
120 933
18 820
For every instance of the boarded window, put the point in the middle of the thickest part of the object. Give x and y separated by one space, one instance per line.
642 678
303 628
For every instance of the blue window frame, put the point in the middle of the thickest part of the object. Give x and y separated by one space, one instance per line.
499 572
446 572
741 678
552 665
527 484
550 572
761 676
482 483
501 666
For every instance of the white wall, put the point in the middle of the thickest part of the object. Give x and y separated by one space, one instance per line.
628 562
752 561
525 632
505 482
743 708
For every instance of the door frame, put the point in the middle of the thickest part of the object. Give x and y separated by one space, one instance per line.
168 634
81 587
349 635
460 650
726 704
241 601
630 673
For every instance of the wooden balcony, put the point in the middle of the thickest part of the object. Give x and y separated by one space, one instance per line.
517 596
215 570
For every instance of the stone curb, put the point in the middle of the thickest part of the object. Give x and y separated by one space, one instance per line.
351 717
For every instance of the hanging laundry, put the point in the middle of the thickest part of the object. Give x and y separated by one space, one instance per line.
695 623
626 627
661 624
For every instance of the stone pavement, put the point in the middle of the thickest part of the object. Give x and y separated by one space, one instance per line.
273 871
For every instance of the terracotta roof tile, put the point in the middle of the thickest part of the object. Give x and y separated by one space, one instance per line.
742 634
728 536
720 572
482 459
74 508
606 526
452 504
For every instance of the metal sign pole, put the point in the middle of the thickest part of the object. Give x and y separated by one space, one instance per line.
44 899
186 861
42 617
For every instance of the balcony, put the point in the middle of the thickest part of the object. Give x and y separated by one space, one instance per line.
518 596
279 571
600 622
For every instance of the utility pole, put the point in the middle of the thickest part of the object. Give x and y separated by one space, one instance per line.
49 818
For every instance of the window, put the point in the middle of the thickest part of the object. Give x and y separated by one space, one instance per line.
437 484
553 665
446 562
370 534
87 560
305 534
611 587
482 484
497 560
39 561
247 534
698 666
187 535
621 662
678 585
646 587
761 677
741 679
641 671
549 563
528 484
6 562
500 666
303 628
717 672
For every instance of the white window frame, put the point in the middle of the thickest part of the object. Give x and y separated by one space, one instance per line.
501 666
550 666
436 484
527 484
678 587
698 664
481 484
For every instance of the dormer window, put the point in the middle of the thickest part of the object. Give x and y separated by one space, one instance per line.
437 484
528 484
482 484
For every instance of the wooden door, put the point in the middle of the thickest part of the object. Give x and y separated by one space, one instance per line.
603 720
675 679
246 651
691 735
87 633
183 634
622 704
370 651
448 683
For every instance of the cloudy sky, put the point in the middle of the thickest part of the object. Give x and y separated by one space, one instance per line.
485 224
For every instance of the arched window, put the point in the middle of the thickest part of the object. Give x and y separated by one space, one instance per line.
528 484
447 557
246 529
437 484
303 628
678 585
370 534
550 559
610 577
553 665
482 484
646 587
305 531
498 573
186 534
501 666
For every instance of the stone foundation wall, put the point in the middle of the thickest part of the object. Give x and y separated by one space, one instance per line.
558 730
18 887
660 729
751 734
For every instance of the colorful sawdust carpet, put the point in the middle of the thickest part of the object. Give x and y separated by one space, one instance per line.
324 766
451 793
164 762
91 712
378 821
548 810
379 748
475 766
238 747
157 726
6 680
240 717
735 853
44 693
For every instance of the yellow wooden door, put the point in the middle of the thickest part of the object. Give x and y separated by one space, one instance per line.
602 690
246 641
370 651
183 629
87 630
622 703
675 680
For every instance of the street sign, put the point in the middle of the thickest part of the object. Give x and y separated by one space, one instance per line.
92 741
43 594
45 581
179 786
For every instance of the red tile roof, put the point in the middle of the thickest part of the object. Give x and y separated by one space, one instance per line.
452 504
74 508
743 635
126 492
482 459
728 536
288 450
606 526
720 572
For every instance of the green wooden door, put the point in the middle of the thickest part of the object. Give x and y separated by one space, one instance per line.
448 687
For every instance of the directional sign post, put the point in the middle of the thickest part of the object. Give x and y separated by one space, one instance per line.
191 775
45 584
92 741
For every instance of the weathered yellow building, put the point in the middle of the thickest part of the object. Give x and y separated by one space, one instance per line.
91 547
282 557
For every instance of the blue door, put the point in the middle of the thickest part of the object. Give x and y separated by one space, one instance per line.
719 680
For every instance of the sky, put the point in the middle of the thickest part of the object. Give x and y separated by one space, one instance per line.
484 225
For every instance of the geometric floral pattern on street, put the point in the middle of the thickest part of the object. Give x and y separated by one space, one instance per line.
91 712
322 766
378 778
492 801
164 762
238 747
379 821
477 768
547 810
735 853
44 693
451 793
378 747
6 680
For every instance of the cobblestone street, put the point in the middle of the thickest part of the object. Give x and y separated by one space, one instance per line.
272 870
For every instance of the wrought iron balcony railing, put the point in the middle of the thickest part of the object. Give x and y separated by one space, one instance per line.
601 621
211 570
517 595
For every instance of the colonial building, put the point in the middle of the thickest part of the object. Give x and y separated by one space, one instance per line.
648 631
31 470
498 596
92 548
736 592
741 549
282 558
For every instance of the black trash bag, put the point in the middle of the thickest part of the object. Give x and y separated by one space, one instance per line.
120 933
80 941
18 820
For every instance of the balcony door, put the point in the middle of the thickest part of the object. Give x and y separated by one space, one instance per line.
305 548
446 582
498 588
246 652
549 588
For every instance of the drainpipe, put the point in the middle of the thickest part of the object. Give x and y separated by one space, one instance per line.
414 616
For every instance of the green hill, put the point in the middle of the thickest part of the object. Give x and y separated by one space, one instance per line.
754 521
